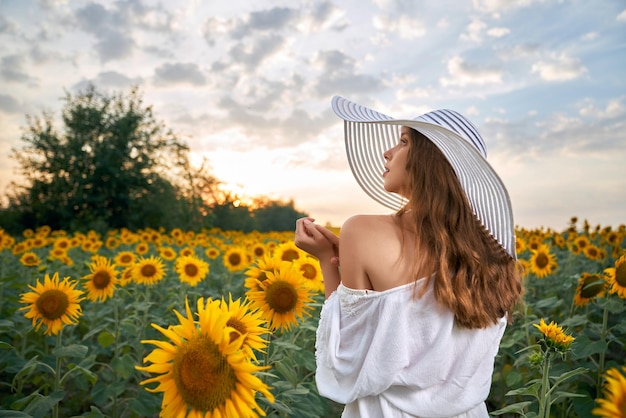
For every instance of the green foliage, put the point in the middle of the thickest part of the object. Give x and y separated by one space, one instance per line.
111 165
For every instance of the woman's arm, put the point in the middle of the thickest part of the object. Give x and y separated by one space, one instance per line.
322 244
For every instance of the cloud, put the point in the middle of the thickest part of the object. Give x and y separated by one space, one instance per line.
179 73
339 75
251 55
114 28
12 69
474 31
406 27
8 104
498 6
463 74
7 26
498 32
622 16
559 67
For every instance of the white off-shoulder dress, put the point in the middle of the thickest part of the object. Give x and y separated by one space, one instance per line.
391 354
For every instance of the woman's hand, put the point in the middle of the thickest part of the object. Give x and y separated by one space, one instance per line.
317 240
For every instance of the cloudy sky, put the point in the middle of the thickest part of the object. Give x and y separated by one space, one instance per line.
247 84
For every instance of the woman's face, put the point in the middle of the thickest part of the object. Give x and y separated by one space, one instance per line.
395 175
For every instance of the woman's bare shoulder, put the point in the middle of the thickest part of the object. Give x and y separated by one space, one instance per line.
366 222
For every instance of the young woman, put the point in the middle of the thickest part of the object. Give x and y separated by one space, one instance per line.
414 315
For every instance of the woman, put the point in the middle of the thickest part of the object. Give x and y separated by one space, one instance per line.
414 316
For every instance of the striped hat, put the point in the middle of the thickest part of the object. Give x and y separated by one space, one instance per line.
369 134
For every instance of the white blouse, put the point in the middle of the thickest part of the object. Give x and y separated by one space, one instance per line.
392 354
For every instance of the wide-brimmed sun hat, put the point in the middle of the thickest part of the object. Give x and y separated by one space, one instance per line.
368 134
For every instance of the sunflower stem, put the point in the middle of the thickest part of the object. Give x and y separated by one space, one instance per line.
57 376
603 335
116 334
544 401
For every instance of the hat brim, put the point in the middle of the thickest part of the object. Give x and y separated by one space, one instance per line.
368 134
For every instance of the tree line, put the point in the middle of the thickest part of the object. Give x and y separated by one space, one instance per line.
112 164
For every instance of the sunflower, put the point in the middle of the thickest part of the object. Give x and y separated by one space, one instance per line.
54 303
191 269
614 403
142 248
523 267
593 252
520 245
187 251
112 243
582 241
554 336
542 261
616 277
124 259
311 273
100 283
202 371
247 322
589 287
558 240
212 253
613 238
167 253
148 270
288 251
257 274
30 259
235 259
258 250
126 276
283 298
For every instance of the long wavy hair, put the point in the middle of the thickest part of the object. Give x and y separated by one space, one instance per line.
473 275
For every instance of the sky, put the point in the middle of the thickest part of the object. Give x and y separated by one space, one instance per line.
247 86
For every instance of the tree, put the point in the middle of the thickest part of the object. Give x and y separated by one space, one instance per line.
112 165
272 215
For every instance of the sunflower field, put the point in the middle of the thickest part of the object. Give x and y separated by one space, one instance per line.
217 323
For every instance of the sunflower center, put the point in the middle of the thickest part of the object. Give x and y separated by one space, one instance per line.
259 251
202 374
101 279
308 271
148 270
191 270
52 304
290 255
281 297
234 259
126 258
239 326
620 274
542 260
29 259
592 286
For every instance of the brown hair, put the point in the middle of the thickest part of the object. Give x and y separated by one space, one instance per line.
473 275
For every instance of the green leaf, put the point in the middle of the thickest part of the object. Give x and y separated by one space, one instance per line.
105 339
72 350
91 376
517 408
13 414
41 406
5 346
588 348
287 372
560 379
94 413
124 366
531 390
